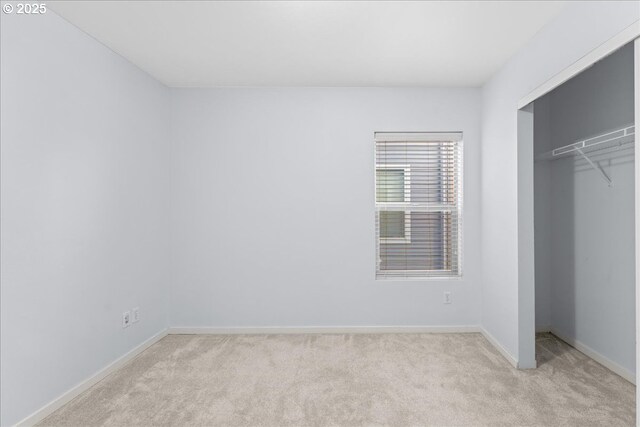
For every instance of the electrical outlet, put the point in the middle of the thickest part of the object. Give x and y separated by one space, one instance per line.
135 315
447 298
126 319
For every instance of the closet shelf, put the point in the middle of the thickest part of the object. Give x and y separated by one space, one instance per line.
614 139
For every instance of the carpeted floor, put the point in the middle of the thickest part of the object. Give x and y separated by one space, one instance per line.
351 380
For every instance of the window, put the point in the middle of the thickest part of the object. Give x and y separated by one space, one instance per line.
418 184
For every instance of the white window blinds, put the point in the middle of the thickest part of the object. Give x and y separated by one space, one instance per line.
418 183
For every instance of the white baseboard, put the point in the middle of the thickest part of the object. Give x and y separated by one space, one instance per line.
324 330
503 351
57 403
603 360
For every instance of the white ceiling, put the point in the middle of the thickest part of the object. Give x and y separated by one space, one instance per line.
304 43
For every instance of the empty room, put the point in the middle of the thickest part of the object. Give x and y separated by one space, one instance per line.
319 213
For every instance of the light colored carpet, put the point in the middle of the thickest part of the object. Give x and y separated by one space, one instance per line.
351 380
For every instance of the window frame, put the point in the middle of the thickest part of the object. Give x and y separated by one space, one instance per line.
455 209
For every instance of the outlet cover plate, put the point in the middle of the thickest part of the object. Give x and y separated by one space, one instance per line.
447 298
126 319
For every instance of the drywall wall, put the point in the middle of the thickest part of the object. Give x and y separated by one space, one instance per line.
579 28
542 214
526 249
590 240
84 208
273 214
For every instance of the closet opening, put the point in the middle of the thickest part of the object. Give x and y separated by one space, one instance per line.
584 217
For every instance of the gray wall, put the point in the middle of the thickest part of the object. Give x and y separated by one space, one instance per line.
84 208
274 207
587 228
580 28
542 214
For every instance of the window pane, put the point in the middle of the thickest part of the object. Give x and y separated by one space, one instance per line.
392 224
390 185
430 248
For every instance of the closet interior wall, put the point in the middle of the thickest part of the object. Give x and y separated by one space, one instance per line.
584 228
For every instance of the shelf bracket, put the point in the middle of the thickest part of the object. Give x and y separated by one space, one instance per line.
596 167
